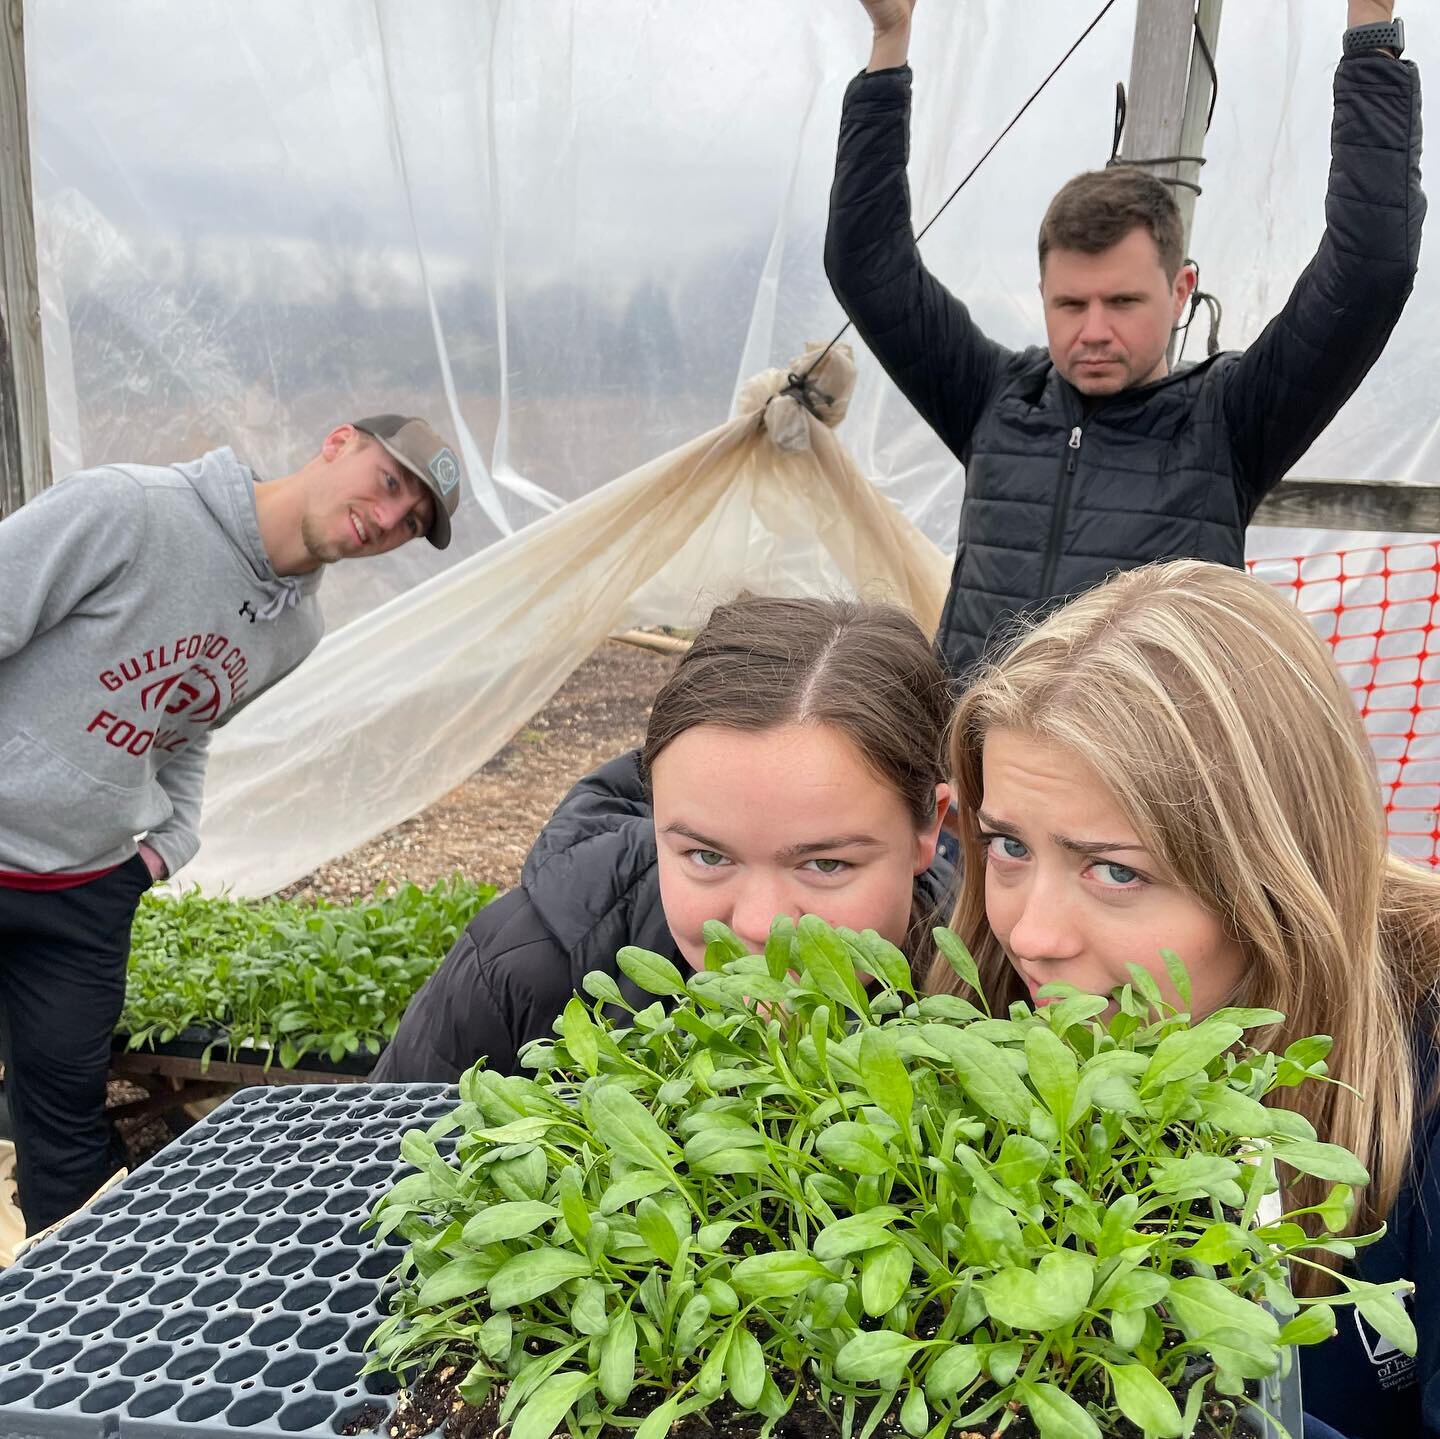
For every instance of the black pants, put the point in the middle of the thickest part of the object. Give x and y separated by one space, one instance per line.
63 955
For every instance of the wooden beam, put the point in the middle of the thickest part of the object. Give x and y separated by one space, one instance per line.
1198 91
1159 78
135 1063
1169 96
24 425
1374 505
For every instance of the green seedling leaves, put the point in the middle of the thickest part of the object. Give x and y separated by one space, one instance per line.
1386 1312
1054 1071
745 1368
599 985
958 958
884 1278
631 1189
1046 1297
457 1279
1056 1414
653 973
290 978
987 1076
722 946
547 1407
1205 1309
885 1077
952 1371
622 1122
857 1232
855 1148
1186 1052
507 1221
1022 1161
617 1358
578 1031
1145 1401
776 1276
1324 1161
1310 1326
527 1276
829 964
1196 1175
914 1415
1179 976
924 1210
657 1231
876 1357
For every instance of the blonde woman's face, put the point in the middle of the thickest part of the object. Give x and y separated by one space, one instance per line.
1072 894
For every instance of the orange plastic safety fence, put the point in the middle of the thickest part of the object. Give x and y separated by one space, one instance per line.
1380 610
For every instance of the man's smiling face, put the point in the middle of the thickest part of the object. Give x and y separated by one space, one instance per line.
366 504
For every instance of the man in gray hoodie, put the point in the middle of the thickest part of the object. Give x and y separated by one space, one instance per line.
140 607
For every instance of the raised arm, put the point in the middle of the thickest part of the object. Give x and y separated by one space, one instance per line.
1311 357
922 335
891 22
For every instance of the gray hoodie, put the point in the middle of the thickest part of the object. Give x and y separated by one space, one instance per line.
138 610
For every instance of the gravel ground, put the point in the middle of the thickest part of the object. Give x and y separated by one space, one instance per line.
484 827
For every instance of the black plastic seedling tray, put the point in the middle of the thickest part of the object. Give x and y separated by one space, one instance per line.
227 1285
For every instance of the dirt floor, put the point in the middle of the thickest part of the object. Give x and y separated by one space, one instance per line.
484 828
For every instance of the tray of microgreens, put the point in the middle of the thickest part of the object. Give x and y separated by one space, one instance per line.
794 1196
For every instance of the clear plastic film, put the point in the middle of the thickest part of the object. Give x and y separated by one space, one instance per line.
568 232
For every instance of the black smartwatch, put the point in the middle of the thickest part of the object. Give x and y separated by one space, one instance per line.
1362 39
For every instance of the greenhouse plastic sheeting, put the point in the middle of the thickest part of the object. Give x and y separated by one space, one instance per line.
401 707
568 231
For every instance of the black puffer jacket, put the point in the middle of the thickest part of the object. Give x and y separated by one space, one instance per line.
1057 498
589 887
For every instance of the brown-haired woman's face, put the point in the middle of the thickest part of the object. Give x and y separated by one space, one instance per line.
785 821
1070 891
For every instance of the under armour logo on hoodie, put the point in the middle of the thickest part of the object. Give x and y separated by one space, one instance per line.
248 609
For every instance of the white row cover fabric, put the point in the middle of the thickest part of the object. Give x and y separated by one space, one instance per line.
391 712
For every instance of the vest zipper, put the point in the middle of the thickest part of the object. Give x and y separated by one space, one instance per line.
1059 515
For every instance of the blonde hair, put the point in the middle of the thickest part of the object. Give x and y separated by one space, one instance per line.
1211 709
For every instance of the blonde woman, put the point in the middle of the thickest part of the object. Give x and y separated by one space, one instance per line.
1173 761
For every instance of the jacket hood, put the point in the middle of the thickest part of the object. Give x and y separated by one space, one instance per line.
227 489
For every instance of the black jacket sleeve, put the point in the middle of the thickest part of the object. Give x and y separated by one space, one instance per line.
502 984
922 335
1310 358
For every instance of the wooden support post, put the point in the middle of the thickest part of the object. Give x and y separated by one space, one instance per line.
1169 94
1159 77
24 425
1377 506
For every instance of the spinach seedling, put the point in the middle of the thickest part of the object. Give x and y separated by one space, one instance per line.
793 1181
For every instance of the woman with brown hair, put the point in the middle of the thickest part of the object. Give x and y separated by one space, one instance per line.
793 764
1172 761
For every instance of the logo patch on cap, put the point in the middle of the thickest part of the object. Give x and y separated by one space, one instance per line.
445 471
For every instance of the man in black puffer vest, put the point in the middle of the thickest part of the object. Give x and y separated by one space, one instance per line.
1093 456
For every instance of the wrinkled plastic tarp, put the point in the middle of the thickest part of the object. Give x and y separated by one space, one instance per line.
405 704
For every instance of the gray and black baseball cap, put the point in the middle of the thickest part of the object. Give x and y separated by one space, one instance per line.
415 445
